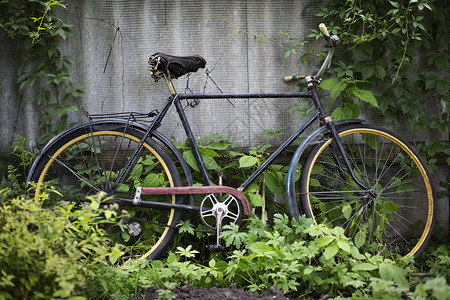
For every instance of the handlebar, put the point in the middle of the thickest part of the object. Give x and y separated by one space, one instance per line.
332 41
324 30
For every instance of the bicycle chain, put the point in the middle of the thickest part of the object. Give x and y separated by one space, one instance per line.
169 226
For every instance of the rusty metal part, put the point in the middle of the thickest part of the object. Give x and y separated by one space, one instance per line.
187 190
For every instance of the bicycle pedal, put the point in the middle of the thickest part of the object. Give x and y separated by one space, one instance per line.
217 248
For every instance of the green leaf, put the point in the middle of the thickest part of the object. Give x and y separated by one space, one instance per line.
344 245
359 239
394 273
323 241
355 283
365 96
390 206
347 211
379 72
314 182
137 171
71 108
116 253
367 71
371 140
364 267
439 287
355 253
330 252
223 145
256 199
394 4
95 204
152 180
232 236
186 226
273 183
188 156
247 161
123 188
345 112
260 248
337 89
328 84
209 152
210 163
212 263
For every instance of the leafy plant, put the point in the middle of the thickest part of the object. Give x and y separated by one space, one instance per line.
383 46
298 257
37 31
212 148
14 185
47 253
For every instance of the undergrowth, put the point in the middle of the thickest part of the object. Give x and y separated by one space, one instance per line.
47 253
298 257
64 251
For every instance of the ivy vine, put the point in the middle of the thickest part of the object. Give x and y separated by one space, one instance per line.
400 49
37 31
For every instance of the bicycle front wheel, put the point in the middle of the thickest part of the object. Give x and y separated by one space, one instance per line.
88 160
394 215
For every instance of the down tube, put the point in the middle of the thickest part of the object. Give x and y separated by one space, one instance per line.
280 150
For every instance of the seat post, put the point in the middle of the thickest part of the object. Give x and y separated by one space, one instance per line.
169 83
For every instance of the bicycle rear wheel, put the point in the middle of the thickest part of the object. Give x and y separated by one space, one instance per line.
87 160
395 215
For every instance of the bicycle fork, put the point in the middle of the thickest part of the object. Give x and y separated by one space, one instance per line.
337 143
337 148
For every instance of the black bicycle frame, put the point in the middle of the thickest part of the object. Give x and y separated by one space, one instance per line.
319 113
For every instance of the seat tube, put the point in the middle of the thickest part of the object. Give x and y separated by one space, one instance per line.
191 138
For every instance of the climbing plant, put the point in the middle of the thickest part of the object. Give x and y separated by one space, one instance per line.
37 31
401 50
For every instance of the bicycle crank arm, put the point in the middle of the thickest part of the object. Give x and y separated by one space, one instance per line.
189 190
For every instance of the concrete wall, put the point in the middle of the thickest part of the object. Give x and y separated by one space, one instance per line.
137 29
130 31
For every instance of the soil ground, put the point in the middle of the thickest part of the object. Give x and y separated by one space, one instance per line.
229 293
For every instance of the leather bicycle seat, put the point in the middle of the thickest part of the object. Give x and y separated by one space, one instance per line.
176 66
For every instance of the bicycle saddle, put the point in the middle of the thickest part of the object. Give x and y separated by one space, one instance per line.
176 66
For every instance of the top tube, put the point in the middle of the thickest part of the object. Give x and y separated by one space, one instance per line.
252 95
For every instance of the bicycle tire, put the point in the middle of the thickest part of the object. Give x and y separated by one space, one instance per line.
84 161
395 216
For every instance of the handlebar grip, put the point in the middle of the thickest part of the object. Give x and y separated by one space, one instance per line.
288 78
293 77
324 30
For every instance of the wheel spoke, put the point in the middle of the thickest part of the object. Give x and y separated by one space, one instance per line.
396 180
77 175
87 161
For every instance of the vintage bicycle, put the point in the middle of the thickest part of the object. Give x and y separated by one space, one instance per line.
361 177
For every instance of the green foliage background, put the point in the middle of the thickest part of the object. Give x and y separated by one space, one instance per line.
400 51
37 32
